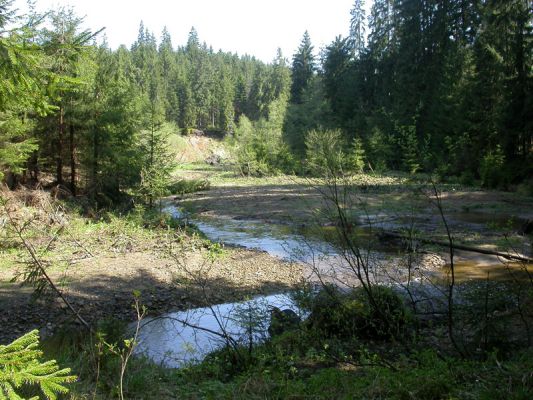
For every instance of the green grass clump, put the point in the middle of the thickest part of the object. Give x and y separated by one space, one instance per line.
185 186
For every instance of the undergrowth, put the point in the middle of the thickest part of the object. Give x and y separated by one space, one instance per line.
292 366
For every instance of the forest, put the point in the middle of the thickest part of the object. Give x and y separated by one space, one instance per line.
446 83
148 174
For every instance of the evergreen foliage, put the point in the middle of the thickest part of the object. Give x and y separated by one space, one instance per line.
440 87
303 67
20 367
97 118
460 70
324 150
357 155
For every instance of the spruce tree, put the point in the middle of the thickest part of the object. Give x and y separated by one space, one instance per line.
358 27
303 67
20 366
23 77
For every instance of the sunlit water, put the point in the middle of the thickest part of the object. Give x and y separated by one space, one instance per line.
180 338
276 240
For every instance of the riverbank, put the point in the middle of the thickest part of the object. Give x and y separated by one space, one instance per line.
100 261
97 265
492 220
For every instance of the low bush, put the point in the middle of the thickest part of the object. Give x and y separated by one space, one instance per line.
343 315
185 186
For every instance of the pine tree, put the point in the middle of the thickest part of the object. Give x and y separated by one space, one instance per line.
169 77
280 77
65 45
337 66
20 365
22 79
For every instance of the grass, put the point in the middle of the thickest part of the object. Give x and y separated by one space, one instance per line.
309 363
290 368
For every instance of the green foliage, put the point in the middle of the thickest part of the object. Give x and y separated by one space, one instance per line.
303 66
408 144
20 366
377 314
296 365
184 186
324 151
462 70
258 146
381 150
22 90
491 168
357 156
157 162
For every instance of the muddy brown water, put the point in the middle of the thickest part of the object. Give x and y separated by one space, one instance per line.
306 244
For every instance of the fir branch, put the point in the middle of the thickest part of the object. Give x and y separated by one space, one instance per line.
20 366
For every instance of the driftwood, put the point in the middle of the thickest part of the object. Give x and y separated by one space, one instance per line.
516 257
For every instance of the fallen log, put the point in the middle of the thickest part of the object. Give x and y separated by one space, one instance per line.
508 256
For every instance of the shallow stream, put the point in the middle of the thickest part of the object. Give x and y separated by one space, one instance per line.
180 338
175 339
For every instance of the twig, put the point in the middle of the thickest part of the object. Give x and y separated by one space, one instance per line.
451 284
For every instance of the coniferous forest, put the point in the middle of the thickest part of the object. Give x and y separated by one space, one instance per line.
441 87
351 221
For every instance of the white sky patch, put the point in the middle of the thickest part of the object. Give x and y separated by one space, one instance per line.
250 27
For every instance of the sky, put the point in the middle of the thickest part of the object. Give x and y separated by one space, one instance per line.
251 27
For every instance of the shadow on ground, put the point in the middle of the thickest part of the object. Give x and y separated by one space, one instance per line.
102 298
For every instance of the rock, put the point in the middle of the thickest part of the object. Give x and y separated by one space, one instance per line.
216 157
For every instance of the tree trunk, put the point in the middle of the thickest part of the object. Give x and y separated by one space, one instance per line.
507 256
72 159
59 154
94 167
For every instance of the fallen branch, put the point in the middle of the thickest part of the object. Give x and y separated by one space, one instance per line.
36 261
394 235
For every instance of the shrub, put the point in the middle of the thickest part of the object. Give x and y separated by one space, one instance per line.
387 316
357 156
408 143
382 150
491 168
338 314
184 186
324 151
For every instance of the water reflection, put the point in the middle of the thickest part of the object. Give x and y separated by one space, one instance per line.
180 338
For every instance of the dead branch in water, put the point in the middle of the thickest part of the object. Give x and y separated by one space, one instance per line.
508 256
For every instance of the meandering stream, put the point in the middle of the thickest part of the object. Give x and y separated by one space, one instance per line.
175 339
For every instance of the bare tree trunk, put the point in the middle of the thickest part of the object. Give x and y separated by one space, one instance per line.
59 154
94 166
72 159
508 256
451 282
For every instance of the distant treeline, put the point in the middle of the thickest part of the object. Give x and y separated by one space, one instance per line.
97 118
422 85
